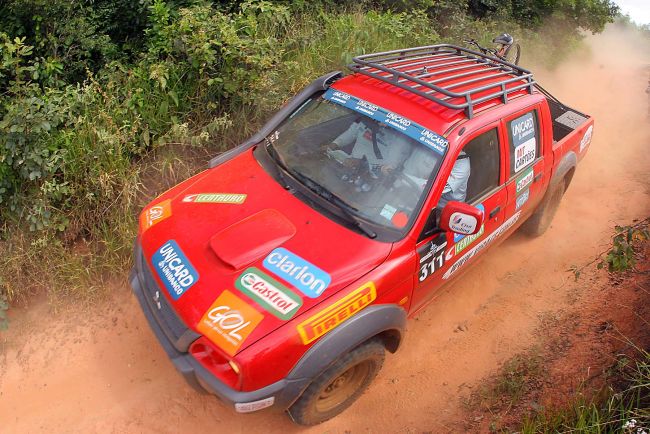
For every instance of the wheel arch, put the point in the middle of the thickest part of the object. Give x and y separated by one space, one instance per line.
386 322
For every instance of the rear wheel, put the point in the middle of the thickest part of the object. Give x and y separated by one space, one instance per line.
512 54
541 219
340 385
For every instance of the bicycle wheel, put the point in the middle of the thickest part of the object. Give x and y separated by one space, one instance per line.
512 54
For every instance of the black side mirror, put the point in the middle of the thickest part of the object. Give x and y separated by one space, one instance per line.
431 226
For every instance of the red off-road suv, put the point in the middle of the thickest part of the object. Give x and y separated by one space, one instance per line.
279 276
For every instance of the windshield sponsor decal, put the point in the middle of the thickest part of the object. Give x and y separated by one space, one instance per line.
480 246
524 140
395 121
174 269
525 180
331 317
388 211
432 256
232 198
229 321
522 199
586 139
155 214
303 275
268 293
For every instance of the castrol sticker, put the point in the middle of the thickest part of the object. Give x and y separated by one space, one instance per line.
268 293
229 321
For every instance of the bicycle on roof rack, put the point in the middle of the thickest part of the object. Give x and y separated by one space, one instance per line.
507 49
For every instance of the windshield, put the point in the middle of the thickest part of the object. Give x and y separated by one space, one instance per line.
366 158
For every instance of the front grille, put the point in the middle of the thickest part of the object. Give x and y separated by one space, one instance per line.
175 329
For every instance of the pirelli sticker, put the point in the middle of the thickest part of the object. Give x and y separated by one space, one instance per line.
332 316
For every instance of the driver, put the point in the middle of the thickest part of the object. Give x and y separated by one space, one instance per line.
383 148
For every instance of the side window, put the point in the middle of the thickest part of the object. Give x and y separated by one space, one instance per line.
523 133
483 153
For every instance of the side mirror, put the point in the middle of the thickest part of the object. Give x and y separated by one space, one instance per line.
461 218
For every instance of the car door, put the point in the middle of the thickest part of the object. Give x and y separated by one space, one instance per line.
442 255
525 162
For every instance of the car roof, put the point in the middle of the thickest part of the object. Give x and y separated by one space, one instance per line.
438 86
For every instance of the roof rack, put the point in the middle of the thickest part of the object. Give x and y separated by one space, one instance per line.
424 70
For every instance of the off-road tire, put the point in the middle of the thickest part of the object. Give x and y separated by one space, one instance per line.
512 54
340 385
542 217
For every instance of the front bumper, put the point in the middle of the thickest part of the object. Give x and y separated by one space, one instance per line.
175 338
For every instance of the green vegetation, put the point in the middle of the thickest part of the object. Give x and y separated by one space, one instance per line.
621 257
623 407
105 103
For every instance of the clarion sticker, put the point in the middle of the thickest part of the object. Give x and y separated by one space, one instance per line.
480 246
305 276
155 214
232 198
270 294
229 321
332 316
174 269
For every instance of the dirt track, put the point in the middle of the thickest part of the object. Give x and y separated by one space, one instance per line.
101 370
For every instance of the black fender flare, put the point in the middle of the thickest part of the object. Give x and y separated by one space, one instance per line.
320 84
567 163
368 323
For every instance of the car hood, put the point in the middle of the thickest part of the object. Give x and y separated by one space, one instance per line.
239 256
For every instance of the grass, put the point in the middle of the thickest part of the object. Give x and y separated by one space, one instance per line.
623 406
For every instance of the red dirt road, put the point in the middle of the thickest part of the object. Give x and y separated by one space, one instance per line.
100 369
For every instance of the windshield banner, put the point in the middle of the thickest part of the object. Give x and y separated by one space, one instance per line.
395 121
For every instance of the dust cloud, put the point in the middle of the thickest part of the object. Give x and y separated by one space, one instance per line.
105 372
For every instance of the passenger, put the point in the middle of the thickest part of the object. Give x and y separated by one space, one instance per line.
456 186
383 148
418 168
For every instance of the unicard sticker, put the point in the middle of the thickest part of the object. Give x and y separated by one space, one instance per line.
174 269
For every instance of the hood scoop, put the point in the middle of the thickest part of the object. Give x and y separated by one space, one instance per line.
247 240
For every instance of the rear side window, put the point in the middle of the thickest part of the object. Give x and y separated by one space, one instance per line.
523 133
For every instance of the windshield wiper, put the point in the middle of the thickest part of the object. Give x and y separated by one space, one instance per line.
279 162
345 208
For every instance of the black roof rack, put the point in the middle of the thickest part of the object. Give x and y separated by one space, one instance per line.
424 70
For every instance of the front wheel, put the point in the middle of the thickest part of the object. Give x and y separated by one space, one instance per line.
340 385
512 54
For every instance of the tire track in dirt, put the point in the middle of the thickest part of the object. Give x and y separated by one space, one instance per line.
101 369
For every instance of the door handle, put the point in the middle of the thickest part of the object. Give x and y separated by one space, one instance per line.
537 177
495 211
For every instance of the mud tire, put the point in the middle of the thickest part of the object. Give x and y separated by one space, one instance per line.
340 385
542 217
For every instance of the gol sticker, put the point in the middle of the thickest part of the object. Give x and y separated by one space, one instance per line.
232 198
331 317
229 321
155 214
